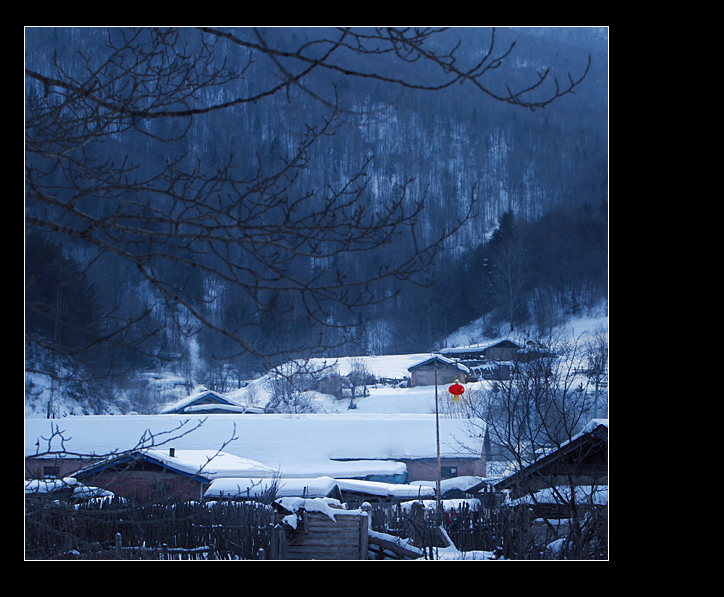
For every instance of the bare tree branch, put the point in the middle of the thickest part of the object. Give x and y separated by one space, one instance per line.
181 222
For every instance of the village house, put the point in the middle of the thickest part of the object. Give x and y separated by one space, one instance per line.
505 350
502 350
437 370
425 469
205 401
55 466
582 461
566 485
486 361
208 402
171 473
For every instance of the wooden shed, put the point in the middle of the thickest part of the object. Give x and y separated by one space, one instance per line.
437 369
505 350
317 529
582 461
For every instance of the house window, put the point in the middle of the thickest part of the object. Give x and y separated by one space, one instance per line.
448 472
51 472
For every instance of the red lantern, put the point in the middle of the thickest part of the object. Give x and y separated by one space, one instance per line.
456 390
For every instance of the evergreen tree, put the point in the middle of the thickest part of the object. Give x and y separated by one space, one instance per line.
505 233
508 270
60 302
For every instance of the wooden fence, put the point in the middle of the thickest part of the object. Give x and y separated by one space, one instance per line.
118 528
246 531
468 528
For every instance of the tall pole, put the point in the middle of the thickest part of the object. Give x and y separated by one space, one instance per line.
437 432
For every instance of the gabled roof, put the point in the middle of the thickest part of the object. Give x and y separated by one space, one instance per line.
584 458
479 348
506 343
444 361
202 465
202 401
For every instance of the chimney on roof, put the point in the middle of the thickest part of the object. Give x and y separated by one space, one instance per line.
172 452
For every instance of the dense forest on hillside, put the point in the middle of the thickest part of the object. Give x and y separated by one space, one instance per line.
398 213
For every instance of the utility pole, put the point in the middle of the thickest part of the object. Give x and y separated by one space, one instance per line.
437 432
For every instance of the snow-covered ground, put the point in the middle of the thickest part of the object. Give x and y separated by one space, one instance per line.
389 399
381 400
391 422
334 445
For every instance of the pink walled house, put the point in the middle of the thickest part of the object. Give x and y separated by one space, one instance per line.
425 469
54 467
173 474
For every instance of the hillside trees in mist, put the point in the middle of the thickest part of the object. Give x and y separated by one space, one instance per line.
249 187
527 274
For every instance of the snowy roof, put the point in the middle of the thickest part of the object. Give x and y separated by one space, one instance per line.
193 400
593 424
466 484
440 359
588 466
561 494
208 464
78 490
211 464
49 485
336 445
256 488
477 347
201 408
393 490
325 486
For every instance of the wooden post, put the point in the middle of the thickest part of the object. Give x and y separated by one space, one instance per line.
274 543
363 534
278 545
